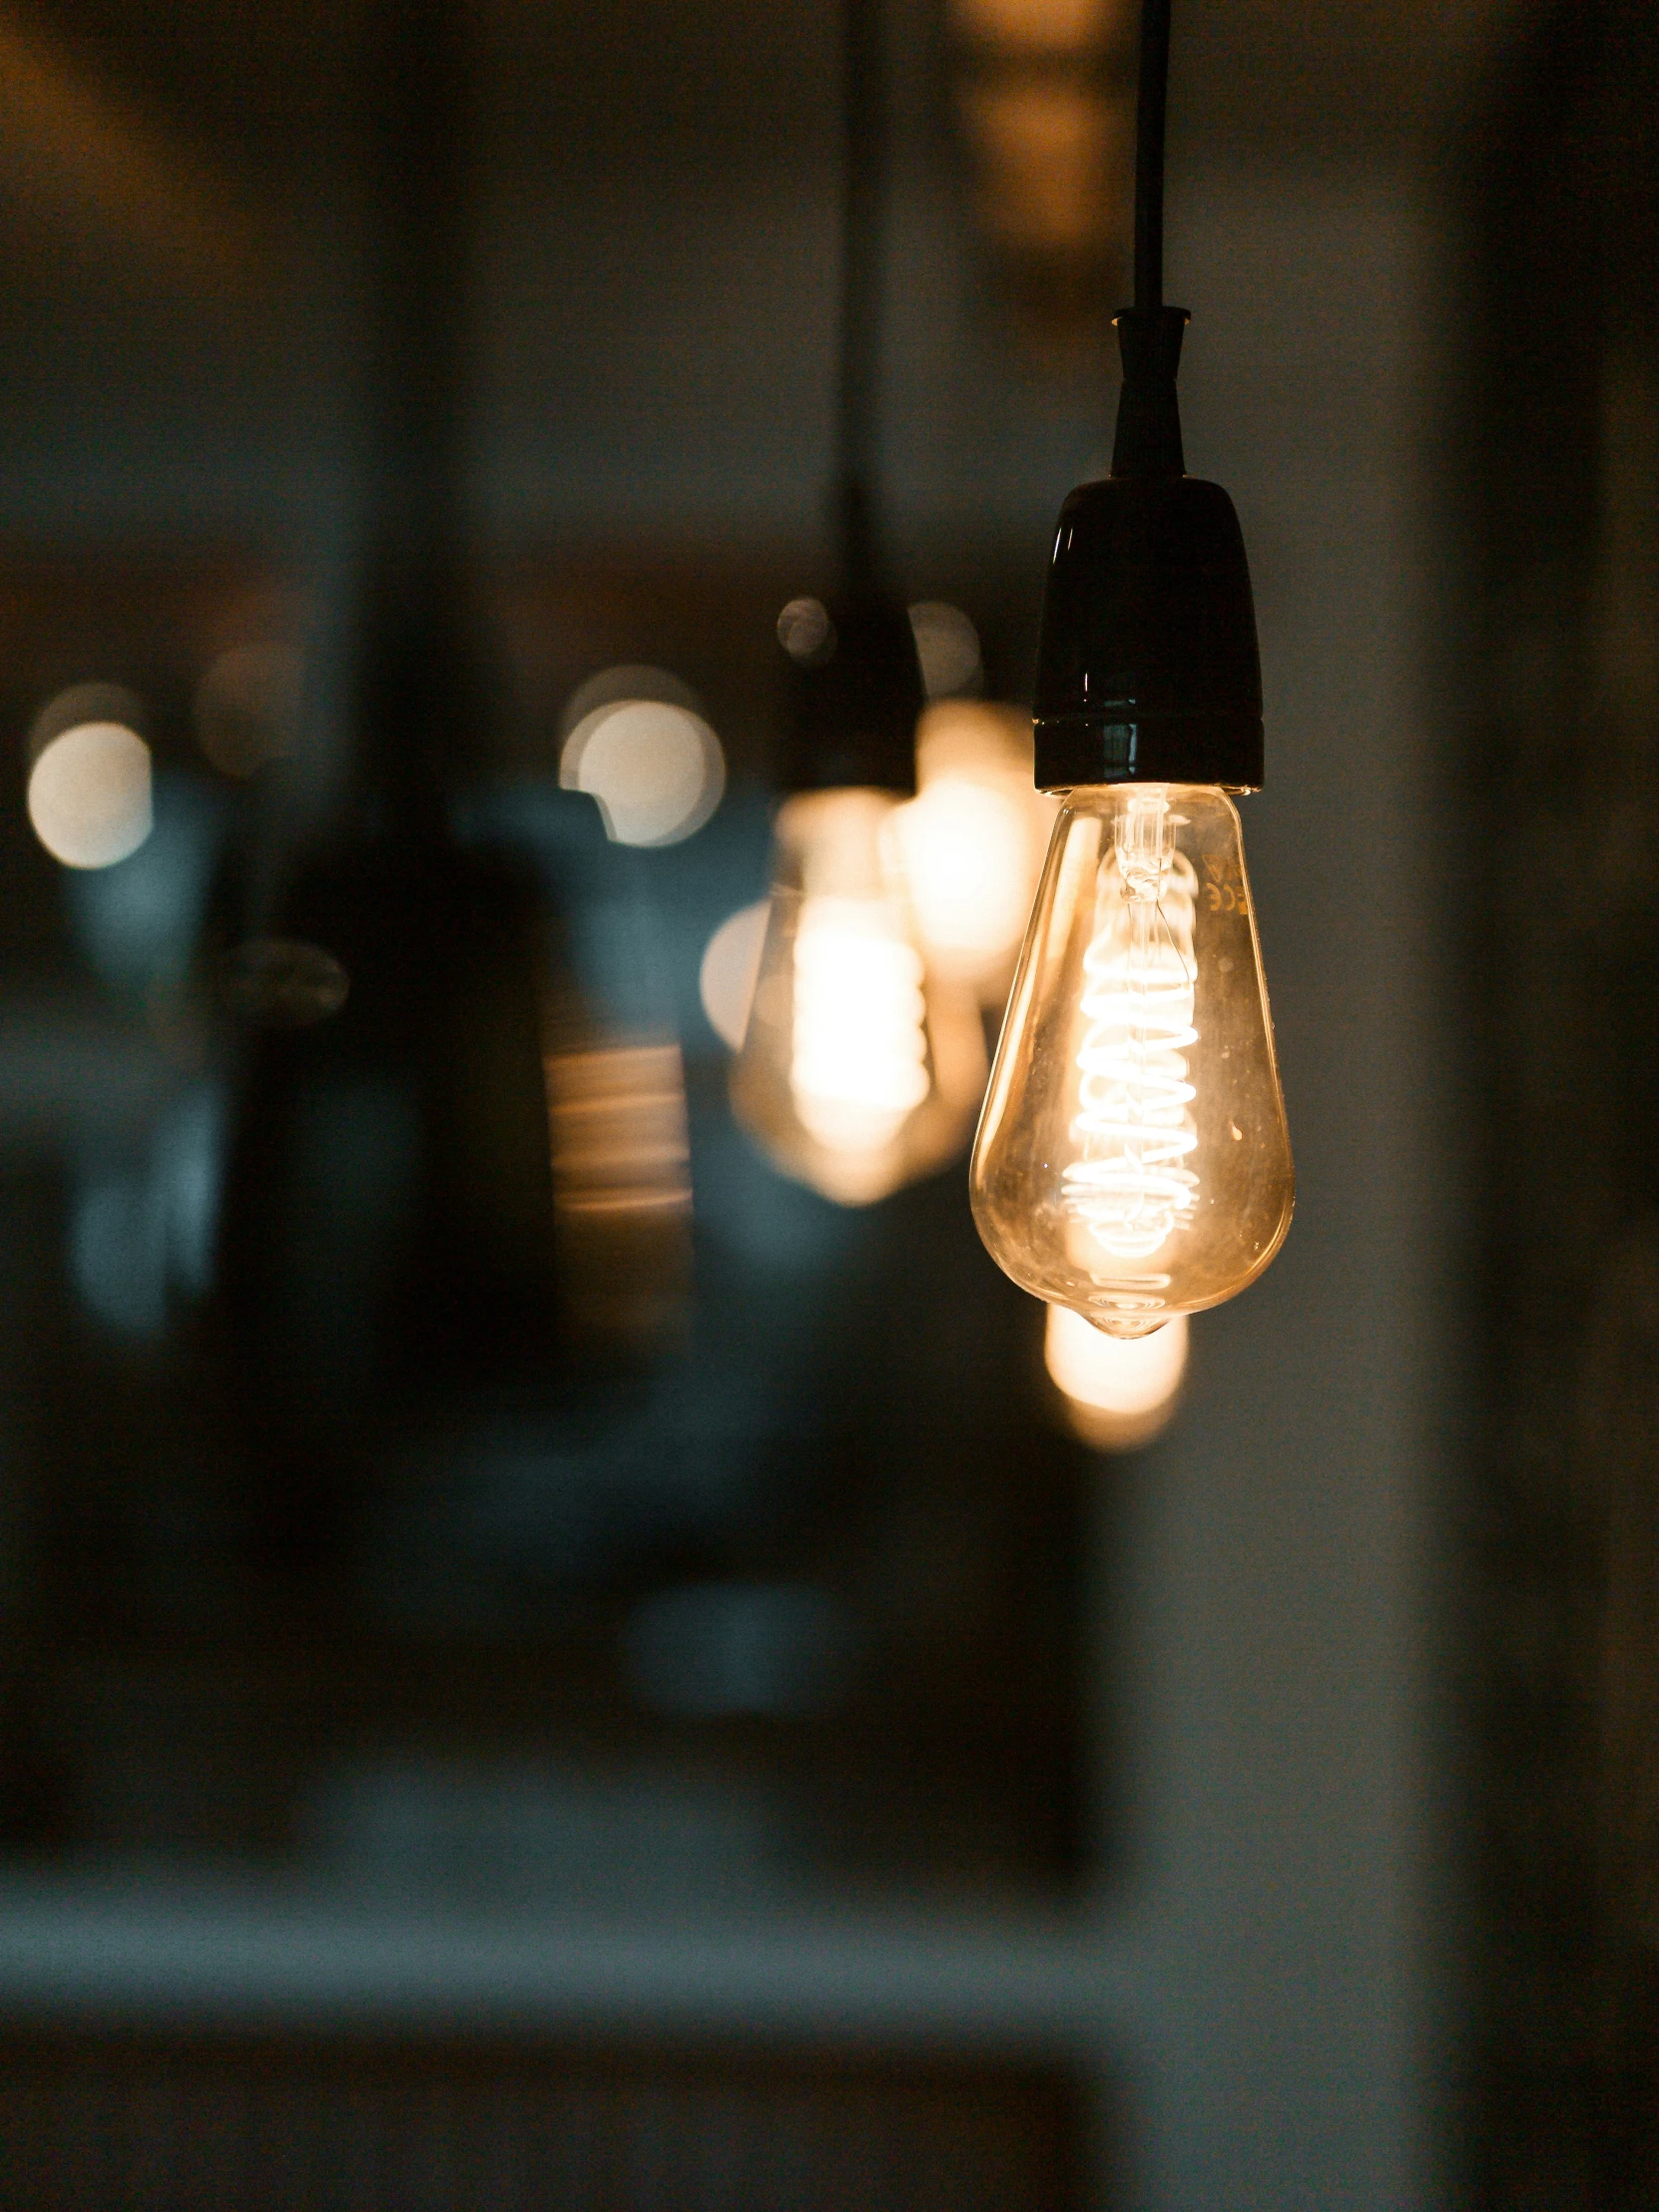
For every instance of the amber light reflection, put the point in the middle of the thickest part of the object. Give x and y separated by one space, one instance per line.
620 1184
1118 1392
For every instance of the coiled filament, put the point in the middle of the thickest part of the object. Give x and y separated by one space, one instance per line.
859 1066
1129 1184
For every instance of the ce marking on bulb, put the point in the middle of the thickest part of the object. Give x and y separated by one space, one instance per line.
1224 894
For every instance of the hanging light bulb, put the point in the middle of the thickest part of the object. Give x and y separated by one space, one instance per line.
853 1074
1132 1161
860 1066
863 1061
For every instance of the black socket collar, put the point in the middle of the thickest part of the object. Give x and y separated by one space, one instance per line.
855 700
1147 667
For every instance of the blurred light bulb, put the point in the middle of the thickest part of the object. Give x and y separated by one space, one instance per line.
89 794
857 1072
1132 1161
858 1055
1119 1393
974 839
621 1183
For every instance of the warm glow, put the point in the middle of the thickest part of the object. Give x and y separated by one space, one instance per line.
973 840
731 964
859 1061
1046 27
948 646
966 851
1051 153
89 794
1119 1393
1133 1160
621 1183
859 1069
1130 1182
655 768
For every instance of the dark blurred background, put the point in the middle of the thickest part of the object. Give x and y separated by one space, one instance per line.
544 1660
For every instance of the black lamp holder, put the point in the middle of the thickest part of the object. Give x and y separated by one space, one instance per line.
1147 665
853 707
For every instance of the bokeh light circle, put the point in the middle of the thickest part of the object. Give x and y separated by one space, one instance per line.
731 967
89 796
655 768
805 632
948 646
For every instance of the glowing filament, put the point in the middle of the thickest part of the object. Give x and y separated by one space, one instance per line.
858 1064
1129 1184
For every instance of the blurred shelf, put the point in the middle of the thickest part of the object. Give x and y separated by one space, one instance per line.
158 1949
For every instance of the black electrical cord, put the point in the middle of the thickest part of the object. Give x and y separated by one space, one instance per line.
1148 443
1149 154
1147 667
855 702
863 197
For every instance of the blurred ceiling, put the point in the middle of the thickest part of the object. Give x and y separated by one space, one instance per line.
1273 77
658 212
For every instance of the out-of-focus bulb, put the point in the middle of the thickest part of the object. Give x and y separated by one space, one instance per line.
858 1071
1118 1392
974 839
1132 1161
859 1049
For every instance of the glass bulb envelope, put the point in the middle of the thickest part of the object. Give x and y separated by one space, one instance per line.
1132 1161
859 1069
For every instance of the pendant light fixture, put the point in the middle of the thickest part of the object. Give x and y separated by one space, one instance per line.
1132 1161
859 1070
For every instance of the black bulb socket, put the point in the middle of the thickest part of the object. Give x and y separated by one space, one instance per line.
1148 670
853 705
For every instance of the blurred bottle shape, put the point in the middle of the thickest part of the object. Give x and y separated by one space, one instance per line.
419 1148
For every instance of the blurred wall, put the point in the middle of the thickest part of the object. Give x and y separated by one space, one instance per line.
1280 1685
1268 1970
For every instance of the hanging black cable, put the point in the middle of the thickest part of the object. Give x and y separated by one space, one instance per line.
864 209
1148 439
1149 156
857 695
417 671
1147 668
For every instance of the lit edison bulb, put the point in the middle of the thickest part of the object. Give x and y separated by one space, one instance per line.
974 839
1132 1161
857 1070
